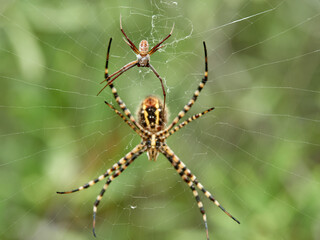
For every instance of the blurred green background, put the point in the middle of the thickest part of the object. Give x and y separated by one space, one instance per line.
258 152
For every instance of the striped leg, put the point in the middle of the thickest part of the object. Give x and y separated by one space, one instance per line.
125 110
195 194
184 123
199 203
115 166
209 195
195 95
115 93
124 119
131 157
106 72
183 168
118 73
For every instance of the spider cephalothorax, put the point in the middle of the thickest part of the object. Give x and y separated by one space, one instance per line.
151 127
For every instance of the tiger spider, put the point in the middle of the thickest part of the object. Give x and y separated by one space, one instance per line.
151 127
143 60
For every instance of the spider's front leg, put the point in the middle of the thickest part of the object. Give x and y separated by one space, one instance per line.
194 98
117 74
127 40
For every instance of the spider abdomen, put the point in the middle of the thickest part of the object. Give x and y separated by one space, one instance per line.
151 115
144 47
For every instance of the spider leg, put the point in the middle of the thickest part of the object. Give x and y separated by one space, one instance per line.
124 108
125 119
122 70
183 168
161 81
114 167
195 194
118 73
130 43
106 74
199 203
124 39
117 97
107 79
184 123
130 157
157 47
187 107
209 196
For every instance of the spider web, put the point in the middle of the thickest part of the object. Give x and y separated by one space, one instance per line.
257 152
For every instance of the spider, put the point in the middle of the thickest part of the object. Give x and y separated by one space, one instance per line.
151 127
143 60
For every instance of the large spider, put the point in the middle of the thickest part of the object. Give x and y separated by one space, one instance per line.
151 127
143 60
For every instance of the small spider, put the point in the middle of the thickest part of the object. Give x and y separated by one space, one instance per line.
143 60
151 127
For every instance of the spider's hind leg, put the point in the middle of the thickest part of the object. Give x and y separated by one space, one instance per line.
199 202
186 179
181 168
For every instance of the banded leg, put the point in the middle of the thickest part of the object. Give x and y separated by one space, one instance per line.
132 156
183 168
124 119
124 108
187 107
116 96
199 203
106 72
161 81
184 123
115 166
196 195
